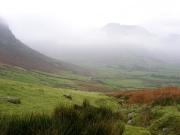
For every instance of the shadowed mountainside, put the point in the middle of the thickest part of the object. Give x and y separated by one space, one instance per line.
14 52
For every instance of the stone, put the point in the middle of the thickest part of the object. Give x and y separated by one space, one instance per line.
130 115
68 96
129 122
13 100
165 131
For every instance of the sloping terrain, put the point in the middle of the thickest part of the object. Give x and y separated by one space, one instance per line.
43 99
23 92
14 52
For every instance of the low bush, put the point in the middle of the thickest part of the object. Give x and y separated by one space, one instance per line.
163 96
166 100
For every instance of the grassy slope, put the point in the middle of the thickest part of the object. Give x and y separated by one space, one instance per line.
39 93
62 80
39 98
39 77
106 79
132 130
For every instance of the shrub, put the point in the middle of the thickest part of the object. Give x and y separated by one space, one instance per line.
163 96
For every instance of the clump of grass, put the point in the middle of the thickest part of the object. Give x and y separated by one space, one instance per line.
75 120
26 125
178 108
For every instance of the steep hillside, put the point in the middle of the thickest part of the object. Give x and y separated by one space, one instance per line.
14 52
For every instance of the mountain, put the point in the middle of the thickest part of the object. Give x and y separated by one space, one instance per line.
122 46
128 30
14 52
105 55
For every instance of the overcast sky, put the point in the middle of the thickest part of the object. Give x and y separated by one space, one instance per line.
34 16
89 13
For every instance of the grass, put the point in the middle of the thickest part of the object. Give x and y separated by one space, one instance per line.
124 83
35 77
133 130
126 78
35 96
106 79
75 120
155 111
40 98
169 122
66 80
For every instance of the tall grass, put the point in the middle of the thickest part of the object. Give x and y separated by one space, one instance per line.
76 120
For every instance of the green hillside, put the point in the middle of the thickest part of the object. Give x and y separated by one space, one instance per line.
117 77
39 98
41 93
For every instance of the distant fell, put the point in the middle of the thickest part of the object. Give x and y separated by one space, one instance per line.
116 28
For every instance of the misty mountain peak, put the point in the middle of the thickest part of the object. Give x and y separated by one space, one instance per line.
5 33
116 28
3 25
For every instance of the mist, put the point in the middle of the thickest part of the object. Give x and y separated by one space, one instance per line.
97 31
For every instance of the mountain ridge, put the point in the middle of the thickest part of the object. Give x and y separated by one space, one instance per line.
15 53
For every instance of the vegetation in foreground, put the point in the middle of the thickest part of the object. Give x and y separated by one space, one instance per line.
43 99
151 112
76 120
29 98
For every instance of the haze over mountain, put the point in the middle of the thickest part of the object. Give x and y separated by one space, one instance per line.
134 30
14 52
114 44
60 27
